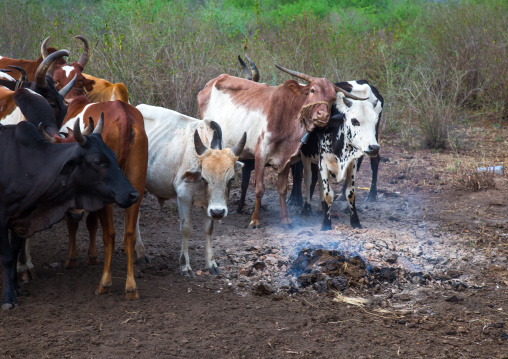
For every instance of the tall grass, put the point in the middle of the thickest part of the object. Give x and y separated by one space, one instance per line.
432 61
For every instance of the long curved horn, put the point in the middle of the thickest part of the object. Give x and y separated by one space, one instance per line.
24 77
198 144
254 69
83 59
89 129
216 143
67 88
347 102
40 74
6 70
78 136
44 49
247 74
295 73
44 134
347 94
238 148
100 124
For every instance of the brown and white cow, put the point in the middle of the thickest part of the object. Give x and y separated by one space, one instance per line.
124 133
187 161
274 118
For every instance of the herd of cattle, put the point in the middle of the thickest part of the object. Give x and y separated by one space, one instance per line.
71 142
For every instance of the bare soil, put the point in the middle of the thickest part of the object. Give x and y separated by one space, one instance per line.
449 298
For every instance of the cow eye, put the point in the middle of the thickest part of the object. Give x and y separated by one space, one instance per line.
355 122
204 181
312 90
99 163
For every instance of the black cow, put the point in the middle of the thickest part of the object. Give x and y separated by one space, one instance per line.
43 85
40 181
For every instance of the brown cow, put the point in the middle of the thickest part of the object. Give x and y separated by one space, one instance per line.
275 119
124 133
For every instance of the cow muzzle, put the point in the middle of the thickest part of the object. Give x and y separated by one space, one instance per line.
372 151
217 213
75 215
129 199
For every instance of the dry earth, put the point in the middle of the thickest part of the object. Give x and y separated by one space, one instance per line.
431 261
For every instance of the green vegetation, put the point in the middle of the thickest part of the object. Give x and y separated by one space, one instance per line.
433 61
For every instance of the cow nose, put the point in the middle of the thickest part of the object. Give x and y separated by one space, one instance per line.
373 150
134 196
322 115
217 213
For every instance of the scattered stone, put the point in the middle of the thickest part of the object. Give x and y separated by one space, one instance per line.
392 258
243 271
199 272
339 283
454 299
369 245
263 289
259 266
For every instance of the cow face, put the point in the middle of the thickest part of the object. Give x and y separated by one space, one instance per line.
360 120
94 169
215 174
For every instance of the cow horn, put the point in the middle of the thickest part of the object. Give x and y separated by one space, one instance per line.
67 88
347 94
24 77
200 148
6 70
44 50
83 59
44 134
89 129
100 125
295 73
40 74
375 103
78 136
238 148
254 69
216 143
247 73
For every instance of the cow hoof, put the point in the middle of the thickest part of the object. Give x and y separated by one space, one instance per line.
103 290
326 227
71 263
254 224
213 270
7 306
143 260
287 226
92 261
371 198
33 273
131 294
356 225
306 210
188 273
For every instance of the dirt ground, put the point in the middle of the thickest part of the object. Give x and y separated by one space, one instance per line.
455 244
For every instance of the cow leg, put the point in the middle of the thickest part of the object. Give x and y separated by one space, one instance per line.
129 242
315 177
184 211
358 163
25 267
307 173
350 191
282 188
260 191
321 193
72 253
295 199
328 196
108 237
139 247
210 264
8 262
374 165
92 224
248 166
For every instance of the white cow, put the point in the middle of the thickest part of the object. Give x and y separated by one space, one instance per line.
186 161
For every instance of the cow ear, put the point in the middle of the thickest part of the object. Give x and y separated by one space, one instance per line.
68 167
192 175
238 165
88 84
298 89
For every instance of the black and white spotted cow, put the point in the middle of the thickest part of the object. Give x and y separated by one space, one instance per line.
339 148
